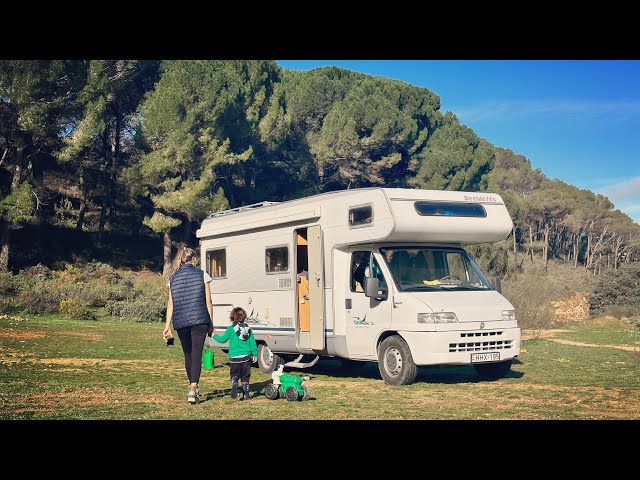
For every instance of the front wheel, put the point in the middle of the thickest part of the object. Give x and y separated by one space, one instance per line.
493 371
291 394
267 360
395 361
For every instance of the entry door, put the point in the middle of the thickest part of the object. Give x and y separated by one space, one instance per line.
316 289
366 317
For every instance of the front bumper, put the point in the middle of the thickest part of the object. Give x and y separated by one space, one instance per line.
456 347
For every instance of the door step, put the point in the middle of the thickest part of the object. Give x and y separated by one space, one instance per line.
297 363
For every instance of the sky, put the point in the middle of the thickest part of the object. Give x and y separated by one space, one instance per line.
578 121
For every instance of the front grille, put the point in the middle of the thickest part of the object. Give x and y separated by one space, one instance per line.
481 334
480 346
284 282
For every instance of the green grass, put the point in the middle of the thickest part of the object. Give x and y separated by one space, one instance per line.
55 368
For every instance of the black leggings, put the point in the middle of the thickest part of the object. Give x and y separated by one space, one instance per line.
192 340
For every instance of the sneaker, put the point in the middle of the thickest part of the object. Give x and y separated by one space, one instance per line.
192 397
234 388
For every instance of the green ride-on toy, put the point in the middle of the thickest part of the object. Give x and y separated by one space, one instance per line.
288 386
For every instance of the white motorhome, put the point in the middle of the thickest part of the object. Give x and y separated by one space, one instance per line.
371 274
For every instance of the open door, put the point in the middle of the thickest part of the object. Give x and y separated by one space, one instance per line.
316 288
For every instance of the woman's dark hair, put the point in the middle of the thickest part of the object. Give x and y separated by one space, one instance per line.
238 315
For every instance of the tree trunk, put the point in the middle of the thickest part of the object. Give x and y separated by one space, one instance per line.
166 269
103 216
546 245
186 232
531 242
83 201
5 238
113 170
17 173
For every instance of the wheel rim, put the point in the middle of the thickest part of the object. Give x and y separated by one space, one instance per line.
393 361
267 356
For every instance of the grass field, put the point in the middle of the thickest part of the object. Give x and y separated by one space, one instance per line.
55 368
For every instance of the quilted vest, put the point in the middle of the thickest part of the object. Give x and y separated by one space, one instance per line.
189 297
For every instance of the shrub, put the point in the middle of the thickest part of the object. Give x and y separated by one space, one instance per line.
72 308
617 292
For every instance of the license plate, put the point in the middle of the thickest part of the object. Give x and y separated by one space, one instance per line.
485 357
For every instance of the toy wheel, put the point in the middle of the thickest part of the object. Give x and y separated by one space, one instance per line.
271 391
307 393
291 394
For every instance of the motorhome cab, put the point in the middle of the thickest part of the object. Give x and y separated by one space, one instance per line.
372 274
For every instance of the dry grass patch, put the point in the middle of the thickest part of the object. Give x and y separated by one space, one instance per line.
20 334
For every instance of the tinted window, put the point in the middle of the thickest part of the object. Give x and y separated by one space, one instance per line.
436 209
277 259
360 215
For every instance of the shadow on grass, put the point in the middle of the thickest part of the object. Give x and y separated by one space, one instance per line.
443 374
255 390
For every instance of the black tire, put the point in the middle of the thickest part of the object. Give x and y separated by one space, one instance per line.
493 371
267 360
291 394
395 362
271 391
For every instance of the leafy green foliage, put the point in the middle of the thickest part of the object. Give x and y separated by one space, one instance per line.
19 206
455 159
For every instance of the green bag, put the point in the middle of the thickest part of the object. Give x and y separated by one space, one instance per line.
207 359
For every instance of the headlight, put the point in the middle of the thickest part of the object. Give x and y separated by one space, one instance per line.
508 314
440 317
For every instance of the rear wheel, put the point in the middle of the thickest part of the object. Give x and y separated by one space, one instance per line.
267 360
395 361
271 391
493 371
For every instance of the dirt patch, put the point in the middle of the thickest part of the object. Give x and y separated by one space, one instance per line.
581 344
94 396
20 334
574 308
550 332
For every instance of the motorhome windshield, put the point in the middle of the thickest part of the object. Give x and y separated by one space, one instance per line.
430 268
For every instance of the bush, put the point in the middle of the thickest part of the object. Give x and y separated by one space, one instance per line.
72 308
617 292
534 291
8 285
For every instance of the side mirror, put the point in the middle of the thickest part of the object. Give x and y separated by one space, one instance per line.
496 283
372 289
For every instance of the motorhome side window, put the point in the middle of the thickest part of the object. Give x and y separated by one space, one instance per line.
360 215
217 263
453 209
277 259
361 269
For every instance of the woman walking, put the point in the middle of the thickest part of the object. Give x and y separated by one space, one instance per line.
190 308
